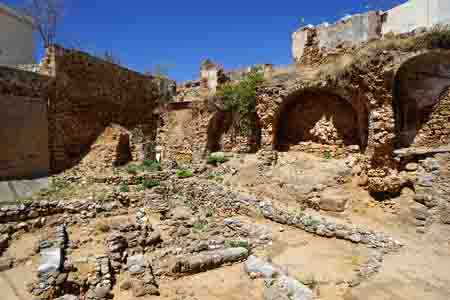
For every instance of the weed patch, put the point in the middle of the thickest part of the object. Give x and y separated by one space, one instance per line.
238 244
151 183
184 173
216 160
124 188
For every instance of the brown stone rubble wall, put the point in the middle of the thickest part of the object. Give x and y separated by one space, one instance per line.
88 95
82 95
436 130
24 131
370 95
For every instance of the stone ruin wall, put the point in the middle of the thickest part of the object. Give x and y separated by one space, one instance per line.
87 96
182 133
189 131
436 131
380 110
350 31
24 129
78 96
369 97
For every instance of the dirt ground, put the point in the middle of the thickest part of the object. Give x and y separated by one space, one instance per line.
419 270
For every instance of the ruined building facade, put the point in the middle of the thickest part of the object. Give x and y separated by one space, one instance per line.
17 44
344 94
52 116
411 16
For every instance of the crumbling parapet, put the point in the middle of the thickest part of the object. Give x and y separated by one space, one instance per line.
349 31
352 30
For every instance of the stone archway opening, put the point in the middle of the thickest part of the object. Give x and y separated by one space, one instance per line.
320 117
421 84
221 123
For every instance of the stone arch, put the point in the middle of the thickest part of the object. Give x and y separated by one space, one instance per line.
420 84
220 123
319 116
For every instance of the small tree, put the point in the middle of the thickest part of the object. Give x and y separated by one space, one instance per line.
239 99
47 15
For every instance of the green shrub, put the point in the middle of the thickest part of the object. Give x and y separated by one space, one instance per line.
151 165
102 196
238 244
240 100
140 188
327 154
184 173
200 227
146 166
216 160
217 177
124 188
132 169
151 183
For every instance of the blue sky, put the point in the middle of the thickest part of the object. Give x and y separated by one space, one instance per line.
180 34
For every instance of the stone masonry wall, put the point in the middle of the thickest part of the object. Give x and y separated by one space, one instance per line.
24 130
88 94
70 100
410 16
24 135
348 31
436 131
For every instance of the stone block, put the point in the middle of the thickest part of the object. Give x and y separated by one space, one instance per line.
334 200
51 260
210 260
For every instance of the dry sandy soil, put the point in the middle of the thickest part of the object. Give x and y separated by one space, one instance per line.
418 271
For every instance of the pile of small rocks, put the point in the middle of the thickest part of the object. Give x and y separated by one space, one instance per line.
278 285
100 285
140 277
323 227
116 245
51 273
39 209
130 239
267 158
370 268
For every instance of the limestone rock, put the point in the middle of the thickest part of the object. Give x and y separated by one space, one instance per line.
259 267
411 167
136 264
334 200
278 286
181 213
210 260
52 260
286 288
6 264
144 287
